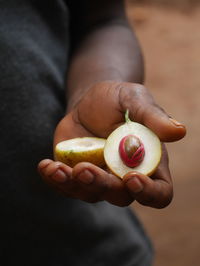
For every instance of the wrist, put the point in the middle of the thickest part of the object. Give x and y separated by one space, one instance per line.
77 89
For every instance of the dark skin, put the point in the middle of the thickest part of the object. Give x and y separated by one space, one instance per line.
103 81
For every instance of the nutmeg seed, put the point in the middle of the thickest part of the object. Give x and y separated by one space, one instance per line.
131 150
131 144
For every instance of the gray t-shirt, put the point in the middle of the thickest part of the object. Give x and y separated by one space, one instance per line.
38 227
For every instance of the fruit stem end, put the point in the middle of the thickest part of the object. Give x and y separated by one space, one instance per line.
127 119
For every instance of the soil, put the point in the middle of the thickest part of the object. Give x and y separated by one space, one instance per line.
170 39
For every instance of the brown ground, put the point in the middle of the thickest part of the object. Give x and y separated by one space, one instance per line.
171 43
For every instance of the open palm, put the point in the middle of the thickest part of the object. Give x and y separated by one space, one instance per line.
98 113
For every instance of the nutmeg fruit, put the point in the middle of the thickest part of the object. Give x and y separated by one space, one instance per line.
86 149
132 147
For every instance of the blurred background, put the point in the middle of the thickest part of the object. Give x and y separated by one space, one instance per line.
169 33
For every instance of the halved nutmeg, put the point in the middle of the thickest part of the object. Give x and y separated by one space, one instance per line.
87 149
132 146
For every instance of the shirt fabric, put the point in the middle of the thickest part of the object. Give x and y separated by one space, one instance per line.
38 226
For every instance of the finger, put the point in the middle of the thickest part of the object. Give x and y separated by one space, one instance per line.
167 128
54 171
148 192
86 182
59 176
144 110
156 191
101 185
43 164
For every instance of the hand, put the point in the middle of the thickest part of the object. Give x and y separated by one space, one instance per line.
98 113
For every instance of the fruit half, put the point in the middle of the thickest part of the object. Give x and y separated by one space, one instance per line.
144 144
87 149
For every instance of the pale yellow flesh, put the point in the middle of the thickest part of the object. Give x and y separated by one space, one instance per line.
87 149
151 143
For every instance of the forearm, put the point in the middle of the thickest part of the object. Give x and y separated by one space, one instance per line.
110 52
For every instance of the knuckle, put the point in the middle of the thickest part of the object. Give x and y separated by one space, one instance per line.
159 108
166 200
155 202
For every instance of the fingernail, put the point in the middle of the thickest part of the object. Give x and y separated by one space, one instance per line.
135 185
59 176
86 177
176 123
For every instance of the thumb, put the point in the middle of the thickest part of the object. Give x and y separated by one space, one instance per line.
144 110
165 127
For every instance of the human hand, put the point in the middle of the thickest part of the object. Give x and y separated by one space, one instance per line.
98 113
